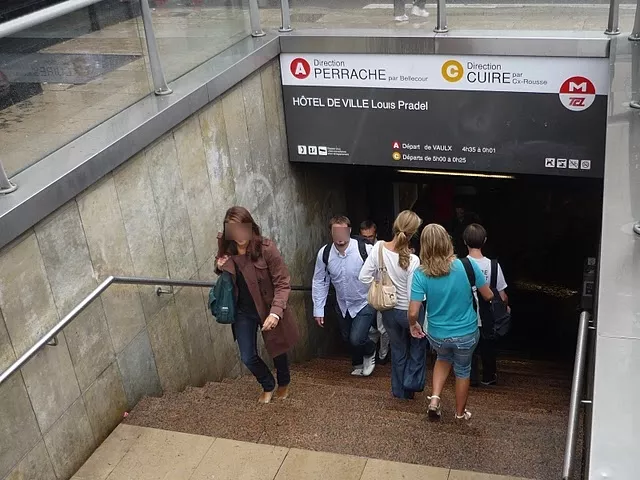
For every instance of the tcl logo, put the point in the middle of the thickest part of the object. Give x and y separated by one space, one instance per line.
300 68
577 93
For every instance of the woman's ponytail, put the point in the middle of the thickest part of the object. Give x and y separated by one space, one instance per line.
405 227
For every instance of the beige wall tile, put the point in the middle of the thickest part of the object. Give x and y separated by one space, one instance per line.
19 430
106 402
195 180
168 192
142 227
138 369
35 466
70 441
196 335
169 349
25 295
7 355
51 383
216 148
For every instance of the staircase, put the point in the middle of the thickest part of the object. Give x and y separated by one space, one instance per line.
518 427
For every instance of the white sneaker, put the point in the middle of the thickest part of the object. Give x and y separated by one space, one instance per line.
419 12
357 371
401 18
369 365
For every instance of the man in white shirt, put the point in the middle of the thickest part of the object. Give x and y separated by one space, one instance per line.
369 231
474 237
344 260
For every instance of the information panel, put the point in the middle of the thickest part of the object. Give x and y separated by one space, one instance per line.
536 115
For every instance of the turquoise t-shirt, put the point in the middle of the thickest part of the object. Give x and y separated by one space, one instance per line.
450 312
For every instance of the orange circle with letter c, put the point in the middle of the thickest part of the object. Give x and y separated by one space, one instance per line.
452 71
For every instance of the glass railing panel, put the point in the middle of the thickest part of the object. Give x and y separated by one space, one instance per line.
61 78
189 32
570 15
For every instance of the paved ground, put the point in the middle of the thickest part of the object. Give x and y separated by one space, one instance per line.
139 453
55 110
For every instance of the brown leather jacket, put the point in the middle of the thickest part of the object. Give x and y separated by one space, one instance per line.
270 284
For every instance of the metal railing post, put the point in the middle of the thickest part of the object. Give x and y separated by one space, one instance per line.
635 33
5 185
159 81
441 17
614 14
576 393
286 16
635 76
254 19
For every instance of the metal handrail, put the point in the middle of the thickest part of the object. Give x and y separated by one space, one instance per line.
50 336
576 394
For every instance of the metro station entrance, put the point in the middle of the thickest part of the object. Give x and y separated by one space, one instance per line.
540 228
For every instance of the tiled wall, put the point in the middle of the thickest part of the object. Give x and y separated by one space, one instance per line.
157 215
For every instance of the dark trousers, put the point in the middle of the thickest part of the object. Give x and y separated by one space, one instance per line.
355 331
408 354
486 354
245 330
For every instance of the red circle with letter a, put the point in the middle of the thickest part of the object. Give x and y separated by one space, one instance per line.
300 68
577 93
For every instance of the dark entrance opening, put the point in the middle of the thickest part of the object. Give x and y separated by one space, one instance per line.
540 228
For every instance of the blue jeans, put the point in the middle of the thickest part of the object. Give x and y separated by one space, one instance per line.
408 354
245 330
457 351
355 331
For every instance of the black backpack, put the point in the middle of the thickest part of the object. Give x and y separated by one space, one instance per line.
362 248
222 300
496 319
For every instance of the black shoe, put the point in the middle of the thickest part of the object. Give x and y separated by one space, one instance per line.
493 381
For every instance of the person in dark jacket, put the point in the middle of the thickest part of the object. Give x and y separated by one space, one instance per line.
262 287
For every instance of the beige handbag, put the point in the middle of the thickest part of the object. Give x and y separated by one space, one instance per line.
382 292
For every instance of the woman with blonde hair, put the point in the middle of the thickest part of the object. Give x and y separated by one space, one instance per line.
452 329
407 354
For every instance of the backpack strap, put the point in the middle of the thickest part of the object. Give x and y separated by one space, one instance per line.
362 247
471 276
326 251
494 273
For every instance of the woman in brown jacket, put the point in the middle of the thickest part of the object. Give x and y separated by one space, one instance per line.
262 287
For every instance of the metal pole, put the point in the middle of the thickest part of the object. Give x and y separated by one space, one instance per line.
5 185
614 13
635 33
441 17
635 75
254 19
286 17
159 82
576 393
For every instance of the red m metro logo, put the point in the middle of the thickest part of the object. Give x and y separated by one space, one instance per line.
577 93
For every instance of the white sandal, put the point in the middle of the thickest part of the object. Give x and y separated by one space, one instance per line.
465 416
434 411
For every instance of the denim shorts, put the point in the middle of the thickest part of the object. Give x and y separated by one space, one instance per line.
457 351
